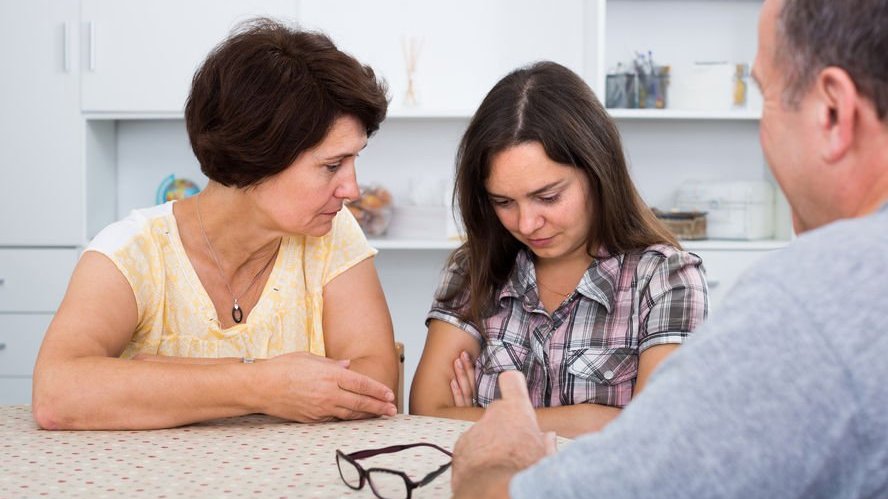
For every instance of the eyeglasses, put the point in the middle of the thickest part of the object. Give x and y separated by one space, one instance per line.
385 483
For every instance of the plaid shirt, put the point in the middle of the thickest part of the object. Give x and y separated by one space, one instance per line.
587 350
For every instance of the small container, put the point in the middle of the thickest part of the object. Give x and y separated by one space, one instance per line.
652 89
373 210
735 210
741 75
621 91
686 225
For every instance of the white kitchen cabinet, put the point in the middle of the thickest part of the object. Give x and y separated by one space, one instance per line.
15 390
20 338
34 280
723 268
139 56
41 130
465 45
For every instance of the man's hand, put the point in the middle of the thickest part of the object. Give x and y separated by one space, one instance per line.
503 442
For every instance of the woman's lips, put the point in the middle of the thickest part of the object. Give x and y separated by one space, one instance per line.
540 242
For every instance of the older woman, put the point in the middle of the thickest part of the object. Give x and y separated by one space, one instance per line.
168 309
565 275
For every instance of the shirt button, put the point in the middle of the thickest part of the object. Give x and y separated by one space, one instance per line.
608 374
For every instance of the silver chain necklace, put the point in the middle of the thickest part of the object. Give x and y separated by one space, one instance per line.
237 314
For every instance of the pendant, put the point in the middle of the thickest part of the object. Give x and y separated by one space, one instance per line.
237 314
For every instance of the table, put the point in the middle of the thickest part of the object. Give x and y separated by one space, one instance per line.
250 456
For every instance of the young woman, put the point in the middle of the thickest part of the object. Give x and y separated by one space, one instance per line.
167 309
565 275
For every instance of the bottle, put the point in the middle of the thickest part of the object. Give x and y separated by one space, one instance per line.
740 75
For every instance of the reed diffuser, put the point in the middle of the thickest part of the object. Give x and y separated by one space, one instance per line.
411 48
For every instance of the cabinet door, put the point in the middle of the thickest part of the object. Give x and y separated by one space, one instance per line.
34 280
15 390
20 338
140 56
40 125
463 46
723 268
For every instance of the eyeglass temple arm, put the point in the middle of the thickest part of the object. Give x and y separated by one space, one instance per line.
394 448
431 476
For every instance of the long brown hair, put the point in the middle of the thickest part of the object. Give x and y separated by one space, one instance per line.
550 104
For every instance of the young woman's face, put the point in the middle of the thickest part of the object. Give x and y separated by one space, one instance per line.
305 197
546 205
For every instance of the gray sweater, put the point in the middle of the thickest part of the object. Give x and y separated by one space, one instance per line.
783 394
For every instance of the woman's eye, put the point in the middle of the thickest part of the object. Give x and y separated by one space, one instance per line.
500 202
333 167
550 199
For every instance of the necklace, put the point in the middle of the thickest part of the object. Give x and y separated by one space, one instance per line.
547 288
237 313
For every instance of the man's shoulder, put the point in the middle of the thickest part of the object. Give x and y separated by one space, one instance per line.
842 248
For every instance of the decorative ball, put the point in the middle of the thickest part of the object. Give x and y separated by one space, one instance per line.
172 188
373 209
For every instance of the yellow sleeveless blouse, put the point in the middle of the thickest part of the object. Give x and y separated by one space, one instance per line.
176 315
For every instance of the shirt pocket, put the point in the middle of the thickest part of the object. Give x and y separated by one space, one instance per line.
498 356
604 366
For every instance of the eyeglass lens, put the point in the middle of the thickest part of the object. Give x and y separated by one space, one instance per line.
349 473
387 485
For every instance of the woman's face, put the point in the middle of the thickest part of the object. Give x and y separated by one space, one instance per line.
546 205
305 197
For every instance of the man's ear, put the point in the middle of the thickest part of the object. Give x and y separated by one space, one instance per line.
836 96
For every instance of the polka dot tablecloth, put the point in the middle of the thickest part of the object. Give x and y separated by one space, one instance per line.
251 456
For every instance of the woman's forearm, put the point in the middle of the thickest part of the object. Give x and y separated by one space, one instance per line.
464 413
574 420
112 393
381 369
567 421
194 361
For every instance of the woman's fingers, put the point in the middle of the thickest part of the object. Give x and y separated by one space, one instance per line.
470 375
458 400
364 385
354 406
462 379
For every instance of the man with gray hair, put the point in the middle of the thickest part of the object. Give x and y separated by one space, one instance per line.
784 394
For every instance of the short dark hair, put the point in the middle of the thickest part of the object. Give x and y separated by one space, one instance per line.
549 104
850 34
268 93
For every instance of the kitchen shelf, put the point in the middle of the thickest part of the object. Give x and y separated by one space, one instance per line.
414 244
704 245
426 113
731 245
393 113
134 115
434 114
678 114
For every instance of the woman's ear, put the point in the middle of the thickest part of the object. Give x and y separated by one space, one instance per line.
837 100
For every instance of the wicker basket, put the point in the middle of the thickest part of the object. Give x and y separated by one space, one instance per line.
687 225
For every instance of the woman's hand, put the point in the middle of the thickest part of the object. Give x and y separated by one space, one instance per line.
308 388
462 386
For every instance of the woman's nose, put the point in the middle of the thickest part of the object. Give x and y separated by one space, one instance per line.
349 189
528 221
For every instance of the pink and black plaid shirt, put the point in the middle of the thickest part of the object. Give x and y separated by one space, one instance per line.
587 350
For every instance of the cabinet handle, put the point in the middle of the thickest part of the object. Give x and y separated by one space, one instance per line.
2 281
2 346
92 46
66 47
712 283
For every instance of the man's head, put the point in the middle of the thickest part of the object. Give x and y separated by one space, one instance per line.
823 72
